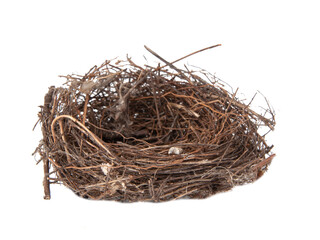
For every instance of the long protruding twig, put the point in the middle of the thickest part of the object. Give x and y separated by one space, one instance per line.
170 63
204 49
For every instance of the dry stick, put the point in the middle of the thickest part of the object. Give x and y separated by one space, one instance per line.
264 162
225 119
73 167
207 48
94 137
46 182
168 64
177 69
262 118
138 81
84 117
65 141
155 103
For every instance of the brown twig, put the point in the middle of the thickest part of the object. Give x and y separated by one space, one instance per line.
84 115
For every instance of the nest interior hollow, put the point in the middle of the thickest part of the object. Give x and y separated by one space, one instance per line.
129 133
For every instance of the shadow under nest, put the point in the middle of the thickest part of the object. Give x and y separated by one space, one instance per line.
129 133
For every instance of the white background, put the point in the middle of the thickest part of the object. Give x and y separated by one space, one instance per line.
270 46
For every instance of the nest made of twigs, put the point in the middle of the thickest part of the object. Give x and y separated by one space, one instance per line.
129 133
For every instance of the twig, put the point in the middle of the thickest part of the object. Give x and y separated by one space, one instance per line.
46 183
207 48
84 116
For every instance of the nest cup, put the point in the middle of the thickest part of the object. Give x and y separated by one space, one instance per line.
129 133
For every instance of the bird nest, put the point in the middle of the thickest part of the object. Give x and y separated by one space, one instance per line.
129 133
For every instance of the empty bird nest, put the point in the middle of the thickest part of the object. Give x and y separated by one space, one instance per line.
129 133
